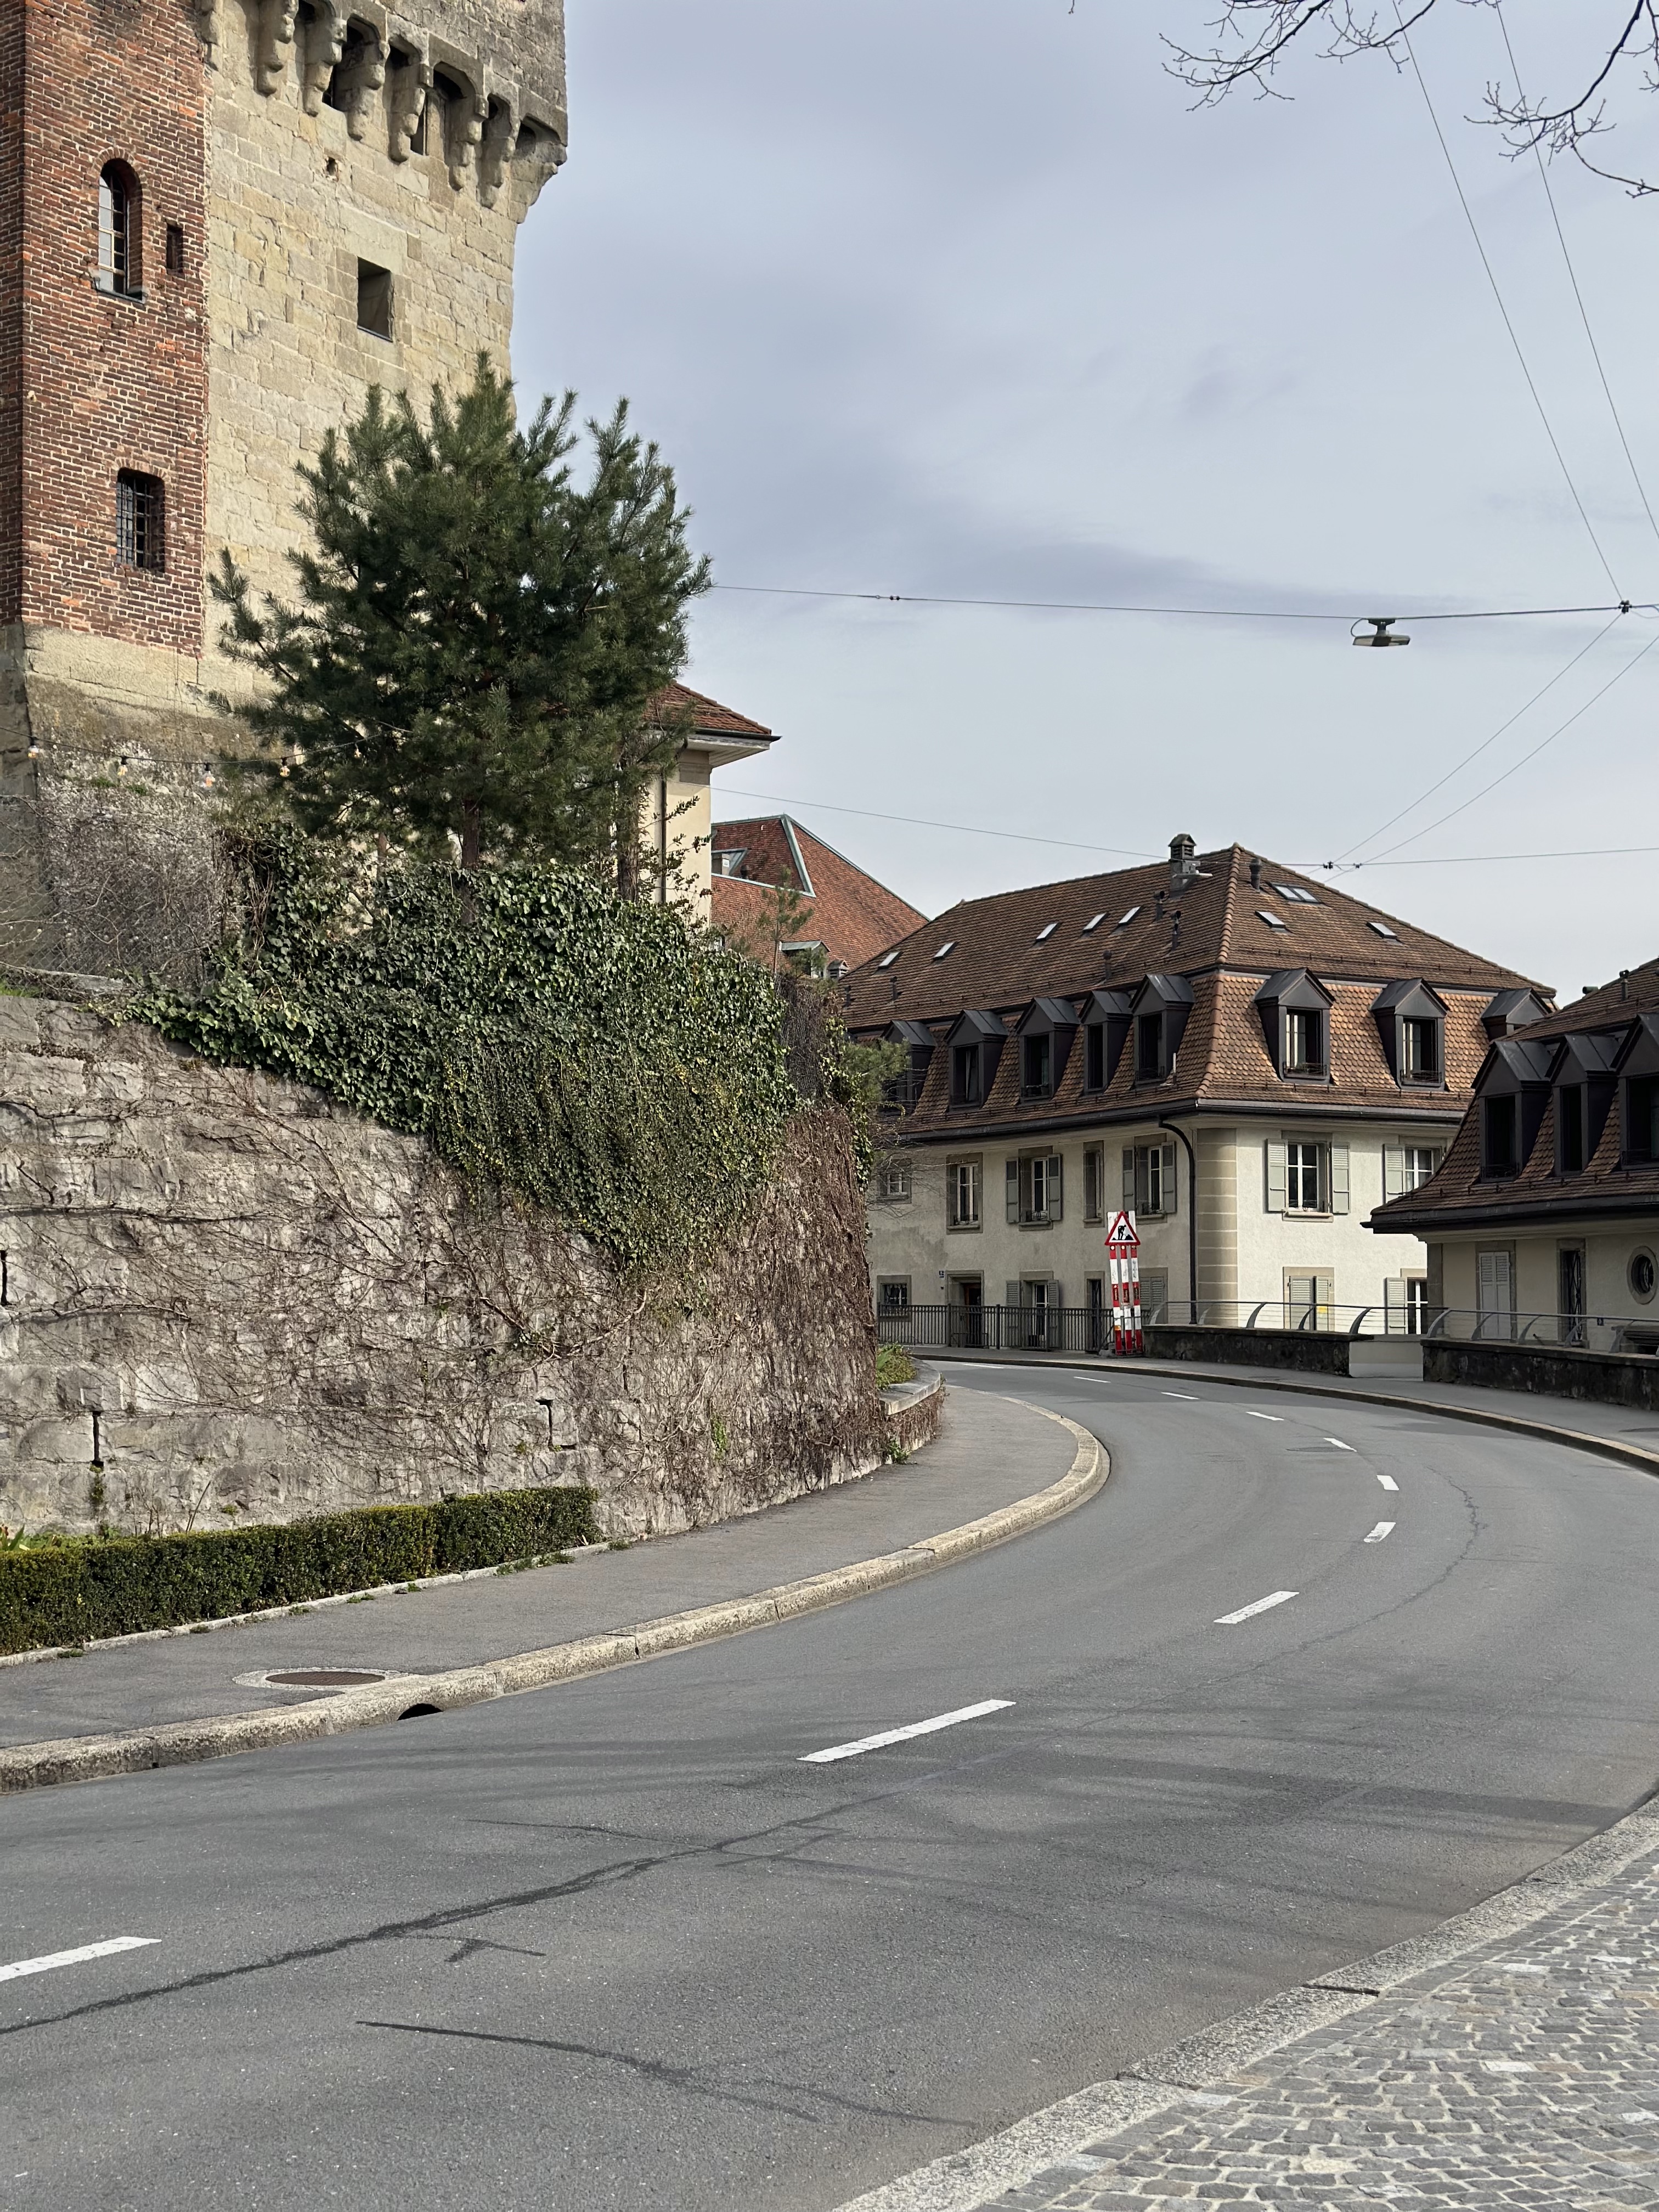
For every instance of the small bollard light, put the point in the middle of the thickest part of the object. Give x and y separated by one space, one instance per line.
1381 631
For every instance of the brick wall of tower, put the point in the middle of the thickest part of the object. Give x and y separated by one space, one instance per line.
110 383
11 310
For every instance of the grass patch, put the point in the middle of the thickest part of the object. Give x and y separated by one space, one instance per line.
893 1364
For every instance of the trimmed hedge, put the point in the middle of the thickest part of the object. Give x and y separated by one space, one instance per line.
73 1592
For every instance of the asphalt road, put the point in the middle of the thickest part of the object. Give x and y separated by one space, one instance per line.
619 1944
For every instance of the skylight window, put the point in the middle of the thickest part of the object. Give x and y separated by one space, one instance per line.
1294 892
1094 924
1383 929
949 945
1048 930
1123 918
1273 921
888 958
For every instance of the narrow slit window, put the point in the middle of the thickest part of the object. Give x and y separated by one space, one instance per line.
175 249
119 261
140 521
374 300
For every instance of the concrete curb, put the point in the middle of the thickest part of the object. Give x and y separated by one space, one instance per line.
1074 2132
1634 1455
180 1743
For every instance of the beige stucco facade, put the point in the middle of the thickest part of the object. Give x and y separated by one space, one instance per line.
1617 1291
1247 1246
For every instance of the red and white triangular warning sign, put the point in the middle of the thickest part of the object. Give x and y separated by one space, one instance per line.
1123 1235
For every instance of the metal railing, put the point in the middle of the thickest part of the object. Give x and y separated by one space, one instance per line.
1088 1328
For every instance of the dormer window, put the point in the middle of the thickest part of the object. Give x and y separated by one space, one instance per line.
1304 1042
964 1075
1036 1061
1149 1049
975 1040
729 861
1641 1119
1569 1120
1500 1136
1419 1050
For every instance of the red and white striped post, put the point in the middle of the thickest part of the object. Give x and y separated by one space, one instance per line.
1123 1253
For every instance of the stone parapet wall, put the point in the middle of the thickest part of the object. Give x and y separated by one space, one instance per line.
223 1295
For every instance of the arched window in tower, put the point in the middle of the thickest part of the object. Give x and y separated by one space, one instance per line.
120 258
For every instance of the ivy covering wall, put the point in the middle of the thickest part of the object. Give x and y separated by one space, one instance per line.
581 1054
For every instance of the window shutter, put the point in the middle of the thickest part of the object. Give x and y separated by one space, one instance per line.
1275 1174
1324 1301
1170 1193
1338 1155
1013 1182
1056 1300
1014 1296
1128 1178
1393 1171
1056 1187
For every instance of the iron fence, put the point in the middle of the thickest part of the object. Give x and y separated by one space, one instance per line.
1088 1328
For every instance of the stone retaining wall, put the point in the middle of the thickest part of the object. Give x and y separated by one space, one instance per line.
223 1296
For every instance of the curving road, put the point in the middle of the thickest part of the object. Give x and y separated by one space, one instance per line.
621 1944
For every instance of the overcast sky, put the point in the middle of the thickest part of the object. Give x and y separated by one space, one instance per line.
960 297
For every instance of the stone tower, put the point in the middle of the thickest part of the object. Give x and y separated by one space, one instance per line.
221 223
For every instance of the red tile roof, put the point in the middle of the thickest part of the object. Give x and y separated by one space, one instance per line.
1003 955
708 717
851 914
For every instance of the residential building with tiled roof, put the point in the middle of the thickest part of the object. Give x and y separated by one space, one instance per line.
833 917
1543 1219
1247 1057
676 816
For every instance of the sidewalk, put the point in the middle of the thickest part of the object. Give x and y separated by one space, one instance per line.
1526 2075
990 1453
1633 1429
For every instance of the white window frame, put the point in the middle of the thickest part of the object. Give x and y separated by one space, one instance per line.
964 1185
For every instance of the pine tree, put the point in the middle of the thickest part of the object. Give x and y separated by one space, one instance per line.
477 636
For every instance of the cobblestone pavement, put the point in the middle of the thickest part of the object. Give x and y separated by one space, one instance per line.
1528 2077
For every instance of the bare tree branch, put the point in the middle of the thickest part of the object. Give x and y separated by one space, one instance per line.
1251 38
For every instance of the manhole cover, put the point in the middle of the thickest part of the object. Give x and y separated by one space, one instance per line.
322 1678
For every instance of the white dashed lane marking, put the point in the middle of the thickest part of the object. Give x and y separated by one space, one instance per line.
1187 1394
902 1735
1338 1442
1254 1416
1248 1612
83 1952
1382 1529
1388 1482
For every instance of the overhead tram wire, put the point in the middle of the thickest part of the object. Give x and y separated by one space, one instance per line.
921 822
1572 276
1491 279
1200 614
1479 859
1422 797
1560 730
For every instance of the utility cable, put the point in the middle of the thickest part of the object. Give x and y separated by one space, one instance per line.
1480 247
1576 715
1211 614
919 822
1572 275
1425 796
1479 860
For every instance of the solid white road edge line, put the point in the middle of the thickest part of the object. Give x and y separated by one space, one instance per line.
1388 1482
900 1734
19 1967
1382 1529
1187 1394
1254 1416
1338 1442
1244 1613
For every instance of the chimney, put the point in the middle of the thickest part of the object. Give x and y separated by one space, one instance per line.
1256 875
1183 868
